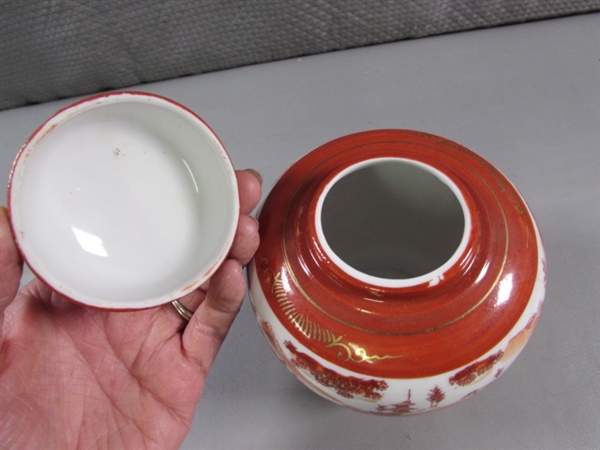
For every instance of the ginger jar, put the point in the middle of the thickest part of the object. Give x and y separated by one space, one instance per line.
398 272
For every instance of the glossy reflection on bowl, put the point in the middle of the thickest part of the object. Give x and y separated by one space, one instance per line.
124 201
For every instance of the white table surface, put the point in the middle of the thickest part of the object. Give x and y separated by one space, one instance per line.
527 98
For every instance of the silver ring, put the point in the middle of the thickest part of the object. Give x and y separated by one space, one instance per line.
182 310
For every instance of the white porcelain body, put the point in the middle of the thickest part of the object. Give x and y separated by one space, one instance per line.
123 201
393 396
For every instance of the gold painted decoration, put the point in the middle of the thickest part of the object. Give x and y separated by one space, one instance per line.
318 333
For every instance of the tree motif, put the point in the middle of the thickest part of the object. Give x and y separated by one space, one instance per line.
345 386
470 373
436 395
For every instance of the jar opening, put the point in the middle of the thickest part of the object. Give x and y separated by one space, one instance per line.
393 219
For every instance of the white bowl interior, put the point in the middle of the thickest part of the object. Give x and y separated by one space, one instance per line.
125 201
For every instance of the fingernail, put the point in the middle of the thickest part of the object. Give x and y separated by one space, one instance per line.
256 173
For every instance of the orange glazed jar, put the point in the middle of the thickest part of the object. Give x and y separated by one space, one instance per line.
398 272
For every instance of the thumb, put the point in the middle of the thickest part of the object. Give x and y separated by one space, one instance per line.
11 265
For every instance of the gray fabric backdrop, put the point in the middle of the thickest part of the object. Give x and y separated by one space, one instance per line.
61 48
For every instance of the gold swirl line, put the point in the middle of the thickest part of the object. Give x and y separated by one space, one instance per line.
315 331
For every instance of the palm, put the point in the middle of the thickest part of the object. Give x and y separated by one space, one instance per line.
92 366
77 377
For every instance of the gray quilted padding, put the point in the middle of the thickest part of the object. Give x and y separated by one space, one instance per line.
61 48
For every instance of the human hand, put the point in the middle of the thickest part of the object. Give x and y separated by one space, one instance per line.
76 377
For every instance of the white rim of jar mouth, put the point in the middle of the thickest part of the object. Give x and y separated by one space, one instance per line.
431 278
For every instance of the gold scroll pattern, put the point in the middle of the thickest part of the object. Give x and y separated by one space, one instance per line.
318 333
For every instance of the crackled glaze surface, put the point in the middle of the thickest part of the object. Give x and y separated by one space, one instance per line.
405 343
